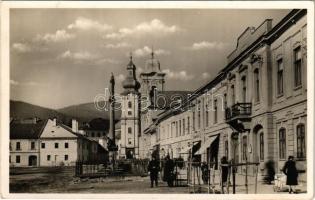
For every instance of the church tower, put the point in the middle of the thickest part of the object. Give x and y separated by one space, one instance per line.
152 77
130 116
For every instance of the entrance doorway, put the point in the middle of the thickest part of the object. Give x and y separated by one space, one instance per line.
32 161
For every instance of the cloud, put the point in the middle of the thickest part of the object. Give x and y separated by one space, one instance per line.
28 83
84 56
154 27
207 45
58 36
205 75
78 55
147 50
181 75
117 46
13 82
86 24
21 47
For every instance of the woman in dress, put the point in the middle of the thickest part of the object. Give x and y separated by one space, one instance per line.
291 172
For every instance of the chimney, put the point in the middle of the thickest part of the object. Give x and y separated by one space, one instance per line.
55 121
75 127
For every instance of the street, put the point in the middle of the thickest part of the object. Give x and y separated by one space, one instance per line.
62 180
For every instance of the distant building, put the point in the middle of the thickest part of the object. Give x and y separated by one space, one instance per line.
49 143
96 129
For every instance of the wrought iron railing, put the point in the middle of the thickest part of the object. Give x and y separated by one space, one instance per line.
238 110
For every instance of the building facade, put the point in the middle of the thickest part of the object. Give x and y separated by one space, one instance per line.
254 110
49 143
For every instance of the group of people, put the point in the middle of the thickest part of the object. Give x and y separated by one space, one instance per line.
168 172
289 170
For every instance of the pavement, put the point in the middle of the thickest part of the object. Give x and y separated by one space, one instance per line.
62 180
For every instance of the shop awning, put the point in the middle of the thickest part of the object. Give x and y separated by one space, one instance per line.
206 145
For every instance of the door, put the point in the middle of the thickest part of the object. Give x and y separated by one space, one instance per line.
32 161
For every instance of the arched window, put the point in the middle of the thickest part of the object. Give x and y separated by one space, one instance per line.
261 146
282 143
256 76
300 139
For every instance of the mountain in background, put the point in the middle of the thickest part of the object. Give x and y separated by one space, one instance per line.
82 112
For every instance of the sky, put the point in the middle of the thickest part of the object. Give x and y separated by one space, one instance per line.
63 57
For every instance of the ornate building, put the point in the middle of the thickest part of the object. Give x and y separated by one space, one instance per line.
130 116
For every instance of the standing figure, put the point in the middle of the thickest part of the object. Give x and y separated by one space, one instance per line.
153 169
291 172
205 172
224 173
169 171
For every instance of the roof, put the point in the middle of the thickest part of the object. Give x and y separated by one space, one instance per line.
97 124
26 131
167 99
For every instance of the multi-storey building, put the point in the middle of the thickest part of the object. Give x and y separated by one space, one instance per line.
254 110
49 143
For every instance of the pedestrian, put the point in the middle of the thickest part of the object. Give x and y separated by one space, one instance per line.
153 169
270 166
168 174
205 172
289 169
224 173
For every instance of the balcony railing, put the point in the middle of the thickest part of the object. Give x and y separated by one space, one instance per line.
238 110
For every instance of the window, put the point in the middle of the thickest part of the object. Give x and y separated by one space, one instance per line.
233 94
256 76
18 159
207 116
66 145
10 146
215 111
180 127
282 143
129 141
300 136
199 117
66 157
244 147
280 77
297 67
129 130
32 145
92 134
261 146
129 113
56 145
244 88
18 146
43 145
193 120
48 157
226 149
188 125
225 101
176 128
129 104
9 159
184 127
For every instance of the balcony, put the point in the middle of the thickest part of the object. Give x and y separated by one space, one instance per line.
238 116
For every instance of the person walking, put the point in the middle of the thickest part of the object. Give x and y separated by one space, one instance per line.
289 169
153 169
224 173
205 172
168 174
